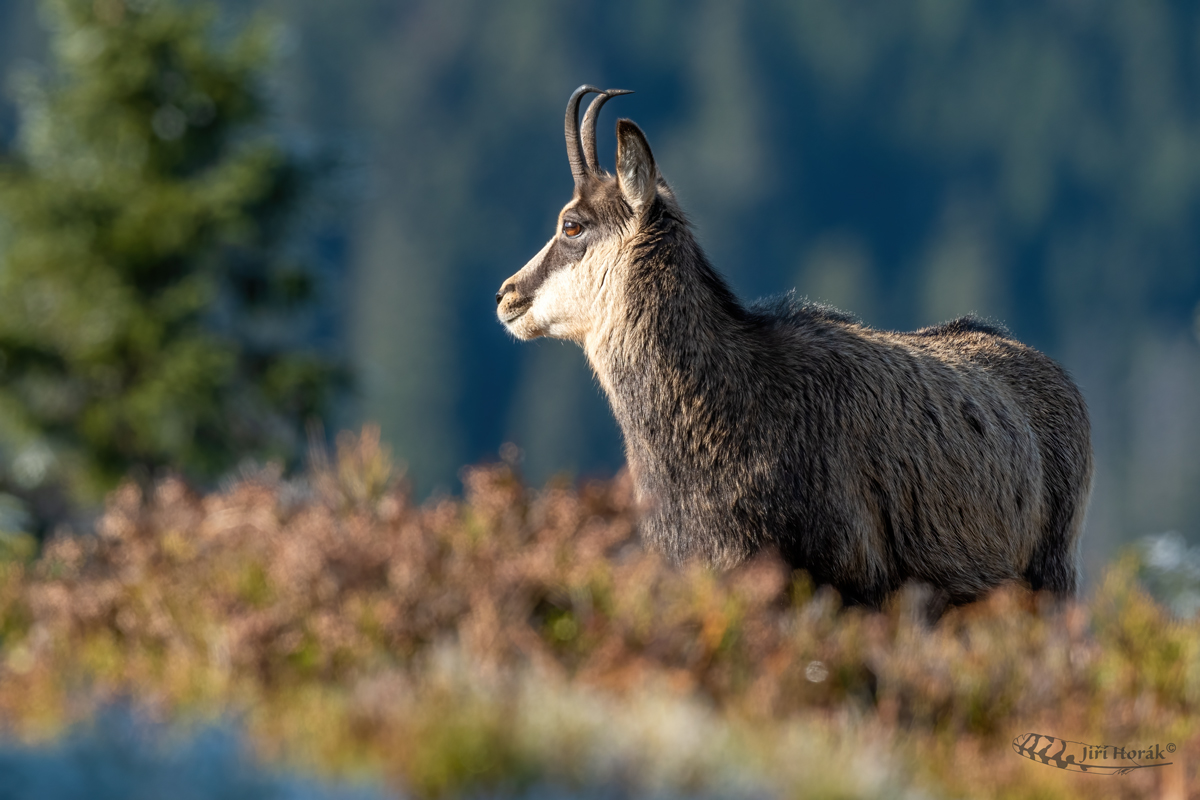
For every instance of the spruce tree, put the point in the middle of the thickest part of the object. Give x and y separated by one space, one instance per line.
148 309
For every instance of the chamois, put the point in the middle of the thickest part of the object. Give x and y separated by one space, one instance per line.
954 456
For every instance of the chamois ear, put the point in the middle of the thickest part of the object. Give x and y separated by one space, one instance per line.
636 174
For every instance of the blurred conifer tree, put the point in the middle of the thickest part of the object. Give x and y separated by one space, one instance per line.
149 312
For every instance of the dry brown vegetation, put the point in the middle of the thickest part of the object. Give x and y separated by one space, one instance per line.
515 636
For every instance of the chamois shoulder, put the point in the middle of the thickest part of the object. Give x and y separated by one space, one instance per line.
964 326
788 310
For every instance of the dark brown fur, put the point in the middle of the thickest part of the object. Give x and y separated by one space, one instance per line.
954 455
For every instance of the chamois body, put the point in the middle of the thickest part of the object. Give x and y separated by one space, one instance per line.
954 455
867 458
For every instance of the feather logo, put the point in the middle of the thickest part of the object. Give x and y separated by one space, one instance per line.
1103 759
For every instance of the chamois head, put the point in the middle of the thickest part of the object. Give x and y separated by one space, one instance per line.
574 283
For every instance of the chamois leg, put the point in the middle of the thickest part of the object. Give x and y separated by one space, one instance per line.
1053 565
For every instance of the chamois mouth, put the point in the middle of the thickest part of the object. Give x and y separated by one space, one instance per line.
514 314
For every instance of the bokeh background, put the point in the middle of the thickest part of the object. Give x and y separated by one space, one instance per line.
231 233
908 160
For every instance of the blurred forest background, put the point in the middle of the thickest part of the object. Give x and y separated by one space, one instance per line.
912 161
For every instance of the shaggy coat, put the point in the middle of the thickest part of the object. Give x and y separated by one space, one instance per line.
953 455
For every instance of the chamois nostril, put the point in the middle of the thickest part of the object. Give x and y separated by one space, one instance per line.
499 297
505 289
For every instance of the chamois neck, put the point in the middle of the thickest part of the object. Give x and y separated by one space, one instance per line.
673 298
679 338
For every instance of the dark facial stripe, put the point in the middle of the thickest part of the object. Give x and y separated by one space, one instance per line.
601 209
561 254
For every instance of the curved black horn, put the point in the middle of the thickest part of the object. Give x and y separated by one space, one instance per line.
588 132
574 148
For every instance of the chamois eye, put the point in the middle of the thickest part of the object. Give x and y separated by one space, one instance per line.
572 229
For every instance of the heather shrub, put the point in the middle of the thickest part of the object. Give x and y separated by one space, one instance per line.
519 640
